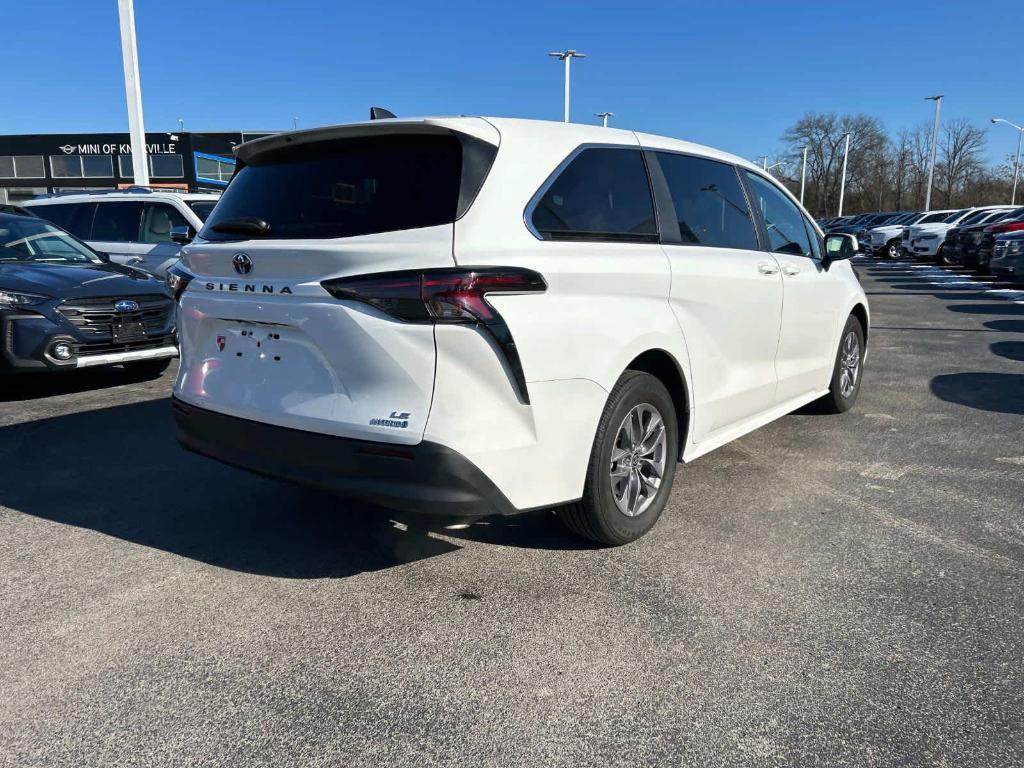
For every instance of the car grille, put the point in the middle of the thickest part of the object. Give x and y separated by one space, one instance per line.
96 316
107 347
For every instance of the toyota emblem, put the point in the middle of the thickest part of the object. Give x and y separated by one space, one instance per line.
242 263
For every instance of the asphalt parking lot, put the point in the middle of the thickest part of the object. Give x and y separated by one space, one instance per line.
831 590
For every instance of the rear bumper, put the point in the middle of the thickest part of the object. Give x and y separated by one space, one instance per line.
425 478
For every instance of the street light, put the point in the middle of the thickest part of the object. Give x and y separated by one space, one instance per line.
803 175
295 123
181 125
604 117
764 162
133 91
935 143
842 183
1016 164
567 57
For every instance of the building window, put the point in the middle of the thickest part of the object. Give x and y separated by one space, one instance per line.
213 169
160 166
22 167
81 166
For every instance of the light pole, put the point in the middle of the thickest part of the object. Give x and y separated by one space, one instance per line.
181 125
764 162
842 183
604 117
935 144
295 123
1016 164
133 91
567 57
803 175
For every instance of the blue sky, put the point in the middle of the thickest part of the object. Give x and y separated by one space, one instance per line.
729 74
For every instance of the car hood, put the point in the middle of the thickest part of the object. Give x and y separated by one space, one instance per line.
65 281
887 228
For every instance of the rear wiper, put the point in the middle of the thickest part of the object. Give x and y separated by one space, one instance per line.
243 225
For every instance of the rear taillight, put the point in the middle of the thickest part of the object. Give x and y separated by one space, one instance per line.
450 295
1010 226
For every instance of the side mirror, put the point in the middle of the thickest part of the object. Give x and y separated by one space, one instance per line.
839 247
182 235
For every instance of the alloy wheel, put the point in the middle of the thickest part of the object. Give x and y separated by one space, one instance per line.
849 364
637 463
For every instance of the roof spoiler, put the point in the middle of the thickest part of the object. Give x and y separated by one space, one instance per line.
379 113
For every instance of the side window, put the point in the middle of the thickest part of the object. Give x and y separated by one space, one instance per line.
709 202
117 221
76 218
603 194
783 220
816 244
157 220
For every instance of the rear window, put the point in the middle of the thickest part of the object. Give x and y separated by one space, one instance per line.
202 208
346 187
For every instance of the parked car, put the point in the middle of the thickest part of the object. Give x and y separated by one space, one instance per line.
963 242
886 241
1007 259
986 245
865 235
926 240
133 226
408 313
64 307
851 224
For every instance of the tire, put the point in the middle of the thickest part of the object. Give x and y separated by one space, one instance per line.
893 250
598 516
149 369
841 397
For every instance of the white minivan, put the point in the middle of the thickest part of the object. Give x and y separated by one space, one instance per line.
473 316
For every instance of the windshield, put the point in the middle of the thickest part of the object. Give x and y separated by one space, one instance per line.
30 239
951 218
203 208
342 188
933 218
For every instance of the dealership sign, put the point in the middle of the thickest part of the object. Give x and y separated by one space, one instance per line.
116 149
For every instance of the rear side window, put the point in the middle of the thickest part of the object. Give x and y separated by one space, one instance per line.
709 202
346 187
602 194
76 218
783 220
117 222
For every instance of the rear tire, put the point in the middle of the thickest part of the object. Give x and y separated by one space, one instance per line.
848 370
632 464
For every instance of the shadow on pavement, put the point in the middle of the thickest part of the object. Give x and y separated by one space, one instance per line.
35 386
995 308
1007 326
1012 350
997 392
120 471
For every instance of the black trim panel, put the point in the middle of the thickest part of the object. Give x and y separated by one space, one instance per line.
423 478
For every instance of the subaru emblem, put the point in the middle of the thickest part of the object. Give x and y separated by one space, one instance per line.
126 305
242 263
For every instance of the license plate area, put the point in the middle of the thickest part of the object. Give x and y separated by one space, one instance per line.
128 332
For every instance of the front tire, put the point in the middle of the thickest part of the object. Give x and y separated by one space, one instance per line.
632 464
847 371
893 250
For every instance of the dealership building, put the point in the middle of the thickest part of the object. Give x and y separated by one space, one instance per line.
35 164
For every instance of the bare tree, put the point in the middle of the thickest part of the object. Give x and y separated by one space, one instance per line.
960 150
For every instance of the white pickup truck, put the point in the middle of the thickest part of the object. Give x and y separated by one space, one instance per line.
923 241
886 241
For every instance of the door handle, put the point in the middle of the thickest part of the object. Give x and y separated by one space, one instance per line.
767 268
790 269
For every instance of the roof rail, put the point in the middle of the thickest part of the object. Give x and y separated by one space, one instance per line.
126 190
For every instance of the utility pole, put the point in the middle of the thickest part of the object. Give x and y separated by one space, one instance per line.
1016 164
935 144
803 175
567 57
604 117
842 183
133 91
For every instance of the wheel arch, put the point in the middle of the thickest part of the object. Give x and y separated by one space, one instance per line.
664 367
861 313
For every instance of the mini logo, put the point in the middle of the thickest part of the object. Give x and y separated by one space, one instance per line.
67 149
126 305
242 263
220 342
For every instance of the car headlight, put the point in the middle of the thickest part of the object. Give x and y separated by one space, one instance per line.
14 299
929 237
